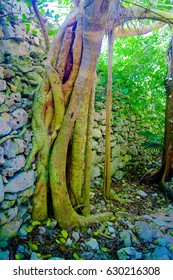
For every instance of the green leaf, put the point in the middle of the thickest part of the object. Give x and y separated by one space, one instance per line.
62 240
104 249
24 16
96 233
57 241
76 257
64 233
48 222
33 246
36 223
30 228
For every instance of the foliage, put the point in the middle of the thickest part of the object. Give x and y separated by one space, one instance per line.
153 141
138 76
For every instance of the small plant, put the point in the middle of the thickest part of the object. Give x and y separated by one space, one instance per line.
153 141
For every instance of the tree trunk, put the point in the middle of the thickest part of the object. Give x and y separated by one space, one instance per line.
62 118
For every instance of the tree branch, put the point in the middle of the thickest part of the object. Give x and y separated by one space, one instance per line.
120 31
138 12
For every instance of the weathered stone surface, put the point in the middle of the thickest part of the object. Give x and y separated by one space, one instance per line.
8 215
10 196
7 204
1 73
116 151
119 175
76 235
10 229
26 193
2 160
34 78
129 253
1 189
161 253
145 231
3 85
141 193
22 210
19 118
2 98
4 127
20 182
92 244
125 238
13 147
96 133
95 172
4 108
13 165
87 255
4 255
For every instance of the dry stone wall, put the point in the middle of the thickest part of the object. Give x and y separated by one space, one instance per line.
127 152
21 69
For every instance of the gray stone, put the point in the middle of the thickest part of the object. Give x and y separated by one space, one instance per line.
7 204
33 78
34 257
76 236
4 255
4 108
116 151
111 229
145 231
13 165
55 258
10 229
13 147
119 175
96 133
1 189
27 136
8 31
141 193
41 230
20 182
69 242
154 195
161 253
163 242
10 196
26 193
21 248
3 85
129 253
1 75
19 118
2 98
53 224
5 128
93 244
8 215
87 255
23 231
125 238
95 172
22 210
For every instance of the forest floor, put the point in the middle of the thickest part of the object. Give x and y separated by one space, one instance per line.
141 228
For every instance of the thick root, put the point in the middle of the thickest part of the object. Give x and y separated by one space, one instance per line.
80 221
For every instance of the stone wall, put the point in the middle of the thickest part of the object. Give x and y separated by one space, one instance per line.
21 70
127 152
